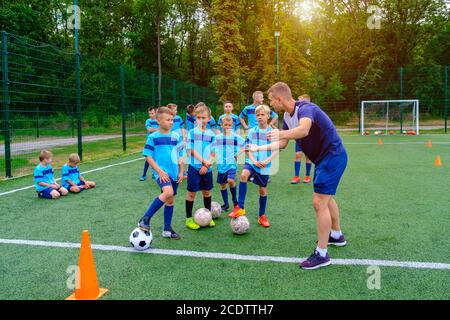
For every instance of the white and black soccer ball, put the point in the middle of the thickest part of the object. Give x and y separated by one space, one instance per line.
202 217
240 225
216 210
141 240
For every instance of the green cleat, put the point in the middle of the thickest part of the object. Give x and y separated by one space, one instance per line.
212 224
190 223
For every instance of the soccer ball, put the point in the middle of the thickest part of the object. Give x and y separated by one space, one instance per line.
216 210
141 240
202 217
240 225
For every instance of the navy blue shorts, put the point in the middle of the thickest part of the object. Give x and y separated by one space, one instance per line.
46 193
258 179
196 182
222 178
172 183
297 147
328 173
80 184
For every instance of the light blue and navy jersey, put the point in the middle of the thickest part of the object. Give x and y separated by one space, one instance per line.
190 122
250 113
227 147
178 124
151 124
43 174
211 124
69 173
236 122
203 142
257 136
166 150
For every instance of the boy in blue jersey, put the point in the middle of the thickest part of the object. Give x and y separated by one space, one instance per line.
228 146
178 123
211 125
258 166
164 152
228 111
190 117
151 125
44 179
249 112
306 123
200 151
71 178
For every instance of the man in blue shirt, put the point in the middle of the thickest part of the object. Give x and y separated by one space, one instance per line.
306 123
249 112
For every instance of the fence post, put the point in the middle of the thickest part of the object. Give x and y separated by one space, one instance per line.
446 99
78 86
401 83
37 123
5 102
122 108
153 80
174 91
191 93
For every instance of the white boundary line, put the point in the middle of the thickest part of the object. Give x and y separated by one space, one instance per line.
86 172
229 256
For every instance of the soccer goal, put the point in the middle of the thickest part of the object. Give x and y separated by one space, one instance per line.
390 117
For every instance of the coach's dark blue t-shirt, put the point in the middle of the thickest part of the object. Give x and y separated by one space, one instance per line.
323 138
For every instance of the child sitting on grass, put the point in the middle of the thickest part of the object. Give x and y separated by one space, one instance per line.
72 180
44 180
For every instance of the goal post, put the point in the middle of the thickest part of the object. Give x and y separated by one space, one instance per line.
390 116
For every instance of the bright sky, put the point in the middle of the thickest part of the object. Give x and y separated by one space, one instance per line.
305 9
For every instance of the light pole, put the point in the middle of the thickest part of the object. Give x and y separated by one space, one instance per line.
277 36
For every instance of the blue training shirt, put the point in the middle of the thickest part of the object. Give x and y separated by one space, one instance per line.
227 147
191 122
250 113
257 136
178 124
323 138
69 173
204 143
151 124
166 150
236 122
43 174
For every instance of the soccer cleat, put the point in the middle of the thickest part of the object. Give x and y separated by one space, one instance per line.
190 223
171 234
263 221
237 212
295 180
307 180
225 208
315 261
212 224
341 242
144 224
143 178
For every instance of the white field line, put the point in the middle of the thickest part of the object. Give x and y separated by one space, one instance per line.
86 172
229 256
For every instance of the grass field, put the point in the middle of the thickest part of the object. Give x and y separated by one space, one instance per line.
394 204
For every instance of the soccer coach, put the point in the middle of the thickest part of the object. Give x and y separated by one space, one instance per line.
306 123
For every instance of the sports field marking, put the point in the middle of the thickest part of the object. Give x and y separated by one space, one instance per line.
230 256
86 172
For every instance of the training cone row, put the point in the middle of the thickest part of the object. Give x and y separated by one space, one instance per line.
87 284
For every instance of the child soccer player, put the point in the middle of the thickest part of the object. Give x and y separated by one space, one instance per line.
190 117
228 111
178 123
164 152
71 179
200 150
257 166
152 126
44 180
212 125
228 145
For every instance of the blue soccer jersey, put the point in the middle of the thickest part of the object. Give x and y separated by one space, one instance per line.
257 136
250 113
178 124
151 124
43 174
69 173
166 150
227 147
190 122
236 122
203 142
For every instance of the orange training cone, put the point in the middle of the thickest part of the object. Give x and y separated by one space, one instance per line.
429 144
87 283
380 142
438 162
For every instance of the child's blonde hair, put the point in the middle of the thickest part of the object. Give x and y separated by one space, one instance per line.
172 105
264 108
44 155
201 109
74 158
227 118
164 110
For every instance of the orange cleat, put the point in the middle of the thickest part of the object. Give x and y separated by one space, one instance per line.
237 212
307 180
263 221
296 180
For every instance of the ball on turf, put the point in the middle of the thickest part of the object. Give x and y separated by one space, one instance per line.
141 240
216 210
240 225
202 217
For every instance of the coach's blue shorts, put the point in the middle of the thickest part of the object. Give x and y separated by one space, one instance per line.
172 183
297 147
258 179
46 193
196 182
328 173
222 178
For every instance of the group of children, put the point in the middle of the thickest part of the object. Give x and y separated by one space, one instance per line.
71 179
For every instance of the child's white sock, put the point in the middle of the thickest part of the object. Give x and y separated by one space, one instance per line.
336 234
322 252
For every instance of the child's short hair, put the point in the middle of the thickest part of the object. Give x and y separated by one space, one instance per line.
264 108
164 110
45 154
227 118
74 158
305 97
172 105
152 108
200 104
201 109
